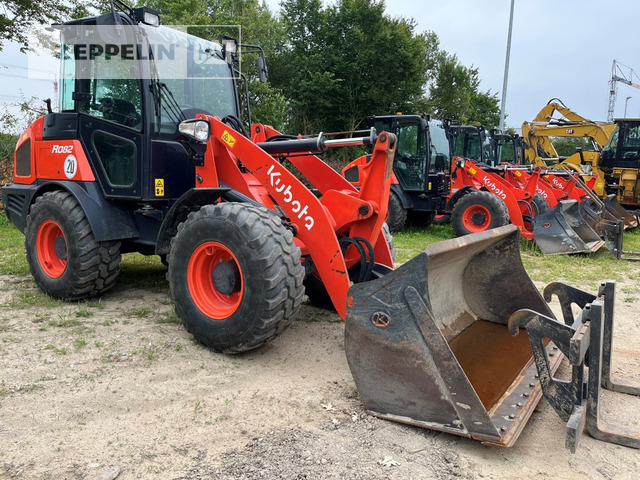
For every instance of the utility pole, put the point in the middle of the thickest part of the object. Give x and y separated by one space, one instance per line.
625 106
506 70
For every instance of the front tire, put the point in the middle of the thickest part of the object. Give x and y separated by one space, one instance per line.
397 213
64 258
235 276
478 211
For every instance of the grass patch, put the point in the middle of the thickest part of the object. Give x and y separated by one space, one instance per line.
413 240
141 271
580 270
31 297
169 317
13 260
140 312
56 350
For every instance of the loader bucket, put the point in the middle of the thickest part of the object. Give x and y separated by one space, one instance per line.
564 230
428 344
618 211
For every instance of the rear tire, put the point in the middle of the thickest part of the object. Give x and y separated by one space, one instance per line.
235 276
478 211
64 258
397 213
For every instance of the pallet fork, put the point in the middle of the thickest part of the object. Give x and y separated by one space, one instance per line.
587 342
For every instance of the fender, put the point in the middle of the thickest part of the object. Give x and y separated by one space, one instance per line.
455 197
108 220
189 201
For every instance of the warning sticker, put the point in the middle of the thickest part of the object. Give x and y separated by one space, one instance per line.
228 139
159 183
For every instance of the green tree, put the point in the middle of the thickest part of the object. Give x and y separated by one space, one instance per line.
347 61
19 18
567 146
455 94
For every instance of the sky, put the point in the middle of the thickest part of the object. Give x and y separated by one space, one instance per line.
560 49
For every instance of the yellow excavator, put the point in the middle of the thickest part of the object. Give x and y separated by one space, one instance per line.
614 160
539 149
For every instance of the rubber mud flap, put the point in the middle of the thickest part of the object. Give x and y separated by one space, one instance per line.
563 230
428 345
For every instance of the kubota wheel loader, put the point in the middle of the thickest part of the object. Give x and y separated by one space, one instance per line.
420 177
427 181
140 159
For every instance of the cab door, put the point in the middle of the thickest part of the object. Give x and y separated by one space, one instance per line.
108 97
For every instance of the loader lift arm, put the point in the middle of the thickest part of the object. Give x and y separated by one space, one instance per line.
319 225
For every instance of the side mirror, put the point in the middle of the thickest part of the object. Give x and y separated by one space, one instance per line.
263 73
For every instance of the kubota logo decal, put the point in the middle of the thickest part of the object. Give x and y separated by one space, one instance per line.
495 189
285 190
556 182
541 192
62 149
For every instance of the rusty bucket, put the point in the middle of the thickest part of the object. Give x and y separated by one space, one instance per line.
563 230
428 344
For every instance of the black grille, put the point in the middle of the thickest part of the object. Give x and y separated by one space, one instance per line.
23 160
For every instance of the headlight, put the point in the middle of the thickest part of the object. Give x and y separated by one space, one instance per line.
196 129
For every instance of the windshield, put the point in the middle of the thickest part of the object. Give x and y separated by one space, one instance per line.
624 143
489 153
440 152
193 71
471 144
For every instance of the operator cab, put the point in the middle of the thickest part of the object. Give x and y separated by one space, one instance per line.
127 83
422 158
623 148
473 143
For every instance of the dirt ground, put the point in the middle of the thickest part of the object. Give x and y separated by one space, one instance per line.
116 388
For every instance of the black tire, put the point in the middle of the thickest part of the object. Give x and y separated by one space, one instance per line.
235 276
397 213
64 258
478 211
539 204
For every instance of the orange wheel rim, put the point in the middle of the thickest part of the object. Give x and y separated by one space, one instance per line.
51 249
476 218
215 280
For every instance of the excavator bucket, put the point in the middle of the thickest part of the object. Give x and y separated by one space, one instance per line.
428 343
563 229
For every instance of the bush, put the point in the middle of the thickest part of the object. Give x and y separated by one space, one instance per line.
7 146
